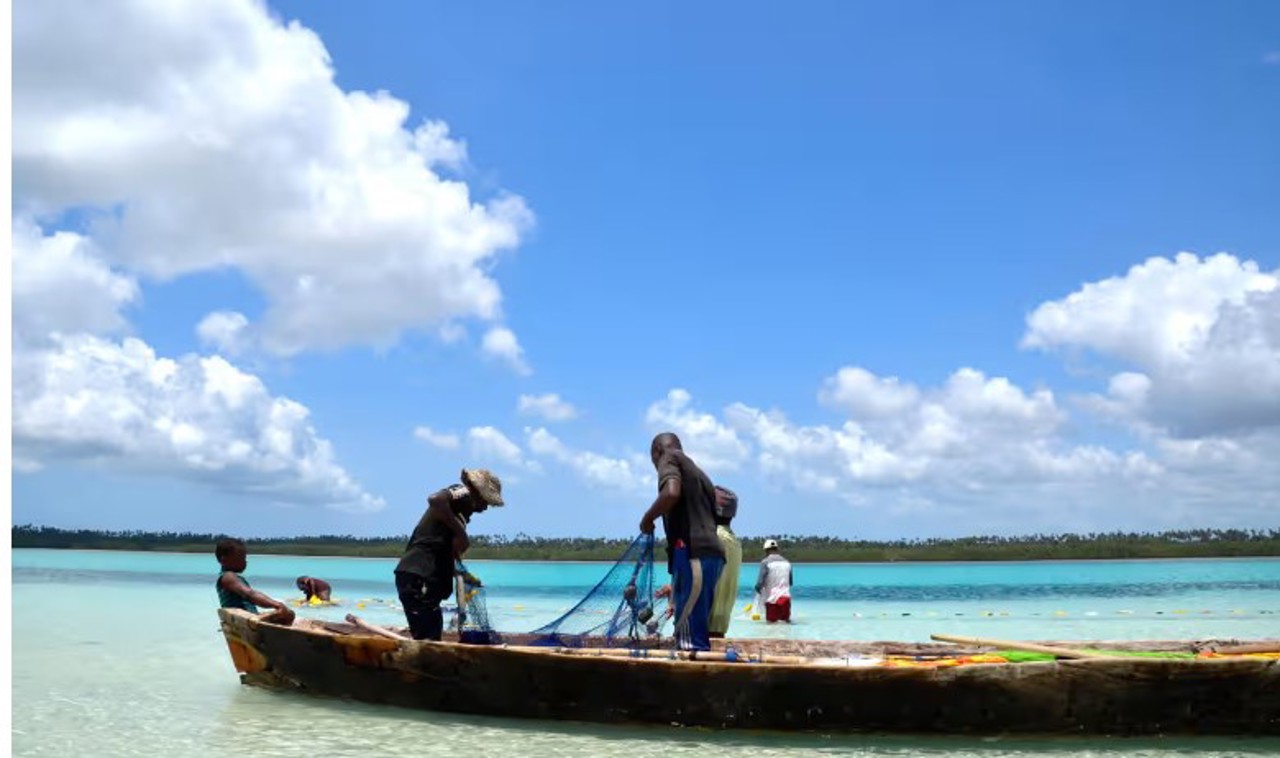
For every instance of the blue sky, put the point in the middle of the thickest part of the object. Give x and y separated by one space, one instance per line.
890 269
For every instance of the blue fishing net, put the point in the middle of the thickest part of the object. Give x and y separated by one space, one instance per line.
472 619
617 611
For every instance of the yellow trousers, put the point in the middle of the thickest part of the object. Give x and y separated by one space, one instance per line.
726 594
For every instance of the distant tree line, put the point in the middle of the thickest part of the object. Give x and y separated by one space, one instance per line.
1193 543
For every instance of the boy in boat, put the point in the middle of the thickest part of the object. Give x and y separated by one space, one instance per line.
773 585
726 594
313 587
686 503
234 590
425 575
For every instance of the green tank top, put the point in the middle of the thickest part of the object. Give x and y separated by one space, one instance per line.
230 599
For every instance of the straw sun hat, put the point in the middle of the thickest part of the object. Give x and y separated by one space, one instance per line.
484 483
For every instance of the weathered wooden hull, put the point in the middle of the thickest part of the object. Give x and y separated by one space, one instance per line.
1101 696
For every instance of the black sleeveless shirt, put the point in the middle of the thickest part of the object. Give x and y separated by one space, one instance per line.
430 547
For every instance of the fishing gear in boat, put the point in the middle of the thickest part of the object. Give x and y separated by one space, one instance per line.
615 612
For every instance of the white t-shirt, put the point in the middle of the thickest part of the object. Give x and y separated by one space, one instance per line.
774 581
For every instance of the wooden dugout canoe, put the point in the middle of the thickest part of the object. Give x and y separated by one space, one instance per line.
808 686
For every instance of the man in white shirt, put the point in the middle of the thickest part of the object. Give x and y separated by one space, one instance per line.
773 585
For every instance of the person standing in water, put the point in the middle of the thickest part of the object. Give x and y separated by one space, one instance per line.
773 585
726 593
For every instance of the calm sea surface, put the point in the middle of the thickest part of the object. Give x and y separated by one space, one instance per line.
119 653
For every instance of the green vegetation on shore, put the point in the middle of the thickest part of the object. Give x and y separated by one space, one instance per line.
1195 543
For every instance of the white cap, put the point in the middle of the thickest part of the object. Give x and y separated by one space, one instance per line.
770 544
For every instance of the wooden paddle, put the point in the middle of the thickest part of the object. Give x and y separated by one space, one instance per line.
373 628
1028 647
1256 647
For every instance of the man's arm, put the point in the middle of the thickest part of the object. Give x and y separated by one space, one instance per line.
667 498
232 583
438 509
764 572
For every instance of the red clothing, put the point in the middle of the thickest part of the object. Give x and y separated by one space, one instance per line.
779 611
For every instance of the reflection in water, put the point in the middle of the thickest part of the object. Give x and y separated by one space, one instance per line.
316 726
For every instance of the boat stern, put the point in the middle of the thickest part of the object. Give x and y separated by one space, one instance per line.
239 628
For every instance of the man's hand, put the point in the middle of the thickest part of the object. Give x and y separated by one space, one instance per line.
282 614
668 496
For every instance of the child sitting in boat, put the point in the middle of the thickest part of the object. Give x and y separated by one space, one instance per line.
314 588
234 590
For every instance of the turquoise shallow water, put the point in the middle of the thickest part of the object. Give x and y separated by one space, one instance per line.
120 654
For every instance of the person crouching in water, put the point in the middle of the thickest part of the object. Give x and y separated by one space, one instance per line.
726 594
424 576
773 585
234 590
314 588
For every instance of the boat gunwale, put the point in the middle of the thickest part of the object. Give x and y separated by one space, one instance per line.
319 628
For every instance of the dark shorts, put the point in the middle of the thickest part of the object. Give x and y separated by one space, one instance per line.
779 611
421 597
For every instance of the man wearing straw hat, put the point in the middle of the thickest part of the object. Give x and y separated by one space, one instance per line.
424 576
686 503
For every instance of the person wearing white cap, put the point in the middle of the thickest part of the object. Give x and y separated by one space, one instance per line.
424 576
773 585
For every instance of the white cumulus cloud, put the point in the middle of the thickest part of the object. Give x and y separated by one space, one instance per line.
631 474
549 406
223 330
864 394
208 134
489 444
976 444
501 343
1199 340
441 440
715 446
62 286
84 397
